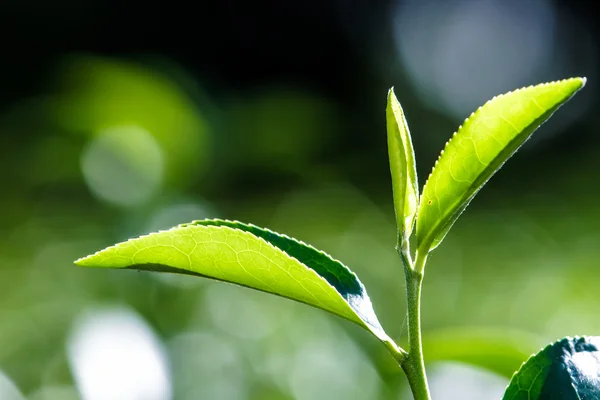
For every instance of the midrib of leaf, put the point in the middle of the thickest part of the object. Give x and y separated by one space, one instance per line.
345 294
438 230
335 273
487 173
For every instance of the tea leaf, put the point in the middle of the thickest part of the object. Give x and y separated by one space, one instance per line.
479 148
252 257
402 166
566 370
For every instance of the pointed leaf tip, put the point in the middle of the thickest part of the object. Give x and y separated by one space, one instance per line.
249 256
80 262
480 146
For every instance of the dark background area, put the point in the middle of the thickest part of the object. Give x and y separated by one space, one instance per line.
117 118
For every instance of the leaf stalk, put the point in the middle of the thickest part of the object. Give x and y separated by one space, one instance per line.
413 365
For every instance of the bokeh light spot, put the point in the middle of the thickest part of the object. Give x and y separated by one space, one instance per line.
454 381
114 355
8 390
123 165
460 53
100 93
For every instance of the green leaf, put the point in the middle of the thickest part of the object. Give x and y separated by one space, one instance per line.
566 370
252 257
402 166
479 148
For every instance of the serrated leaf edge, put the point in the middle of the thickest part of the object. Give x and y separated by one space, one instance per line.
197 222
459 129
583 82
378 331
367 322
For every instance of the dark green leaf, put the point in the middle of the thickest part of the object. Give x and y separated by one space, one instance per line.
566 370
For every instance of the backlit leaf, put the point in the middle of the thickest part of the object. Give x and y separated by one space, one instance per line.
249 256
402 166
479 148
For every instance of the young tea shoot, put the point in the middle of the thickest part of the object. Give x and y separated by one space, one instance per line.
260 259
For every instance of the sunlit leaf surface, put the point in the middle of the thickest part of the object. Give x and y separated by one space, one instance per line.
479 148
248 256
402 166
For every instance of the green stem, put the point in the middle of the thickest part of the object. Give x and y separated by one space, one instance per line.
413 365
396 351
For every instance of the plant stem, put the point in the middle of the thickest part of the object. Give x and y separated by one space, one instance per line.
413 365
396 351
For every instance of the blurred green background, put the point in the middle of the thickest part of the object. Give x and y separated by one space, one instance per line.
119 118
